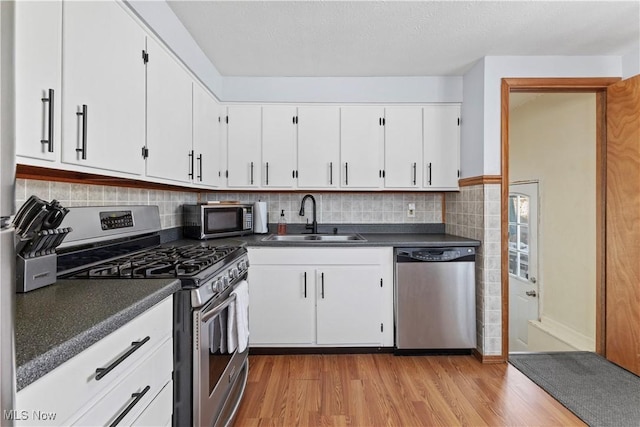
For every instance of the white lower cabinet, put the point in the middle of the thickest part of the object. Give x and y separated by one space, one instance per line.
350 305
76 394
330 296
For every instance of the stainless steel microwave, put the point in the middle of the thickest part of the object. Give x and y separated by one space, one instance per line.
208 221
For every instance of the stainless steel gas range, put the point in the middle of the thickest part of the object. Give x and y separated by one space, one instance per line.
210 369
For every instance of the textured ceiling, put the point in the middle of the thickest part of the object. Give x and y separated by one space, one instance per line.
394 38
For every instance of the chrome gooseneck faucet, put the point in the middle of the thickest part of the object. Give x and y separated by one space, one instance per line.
314 225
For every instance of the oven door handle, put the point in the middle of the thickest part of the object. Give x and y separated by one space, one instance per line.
206 316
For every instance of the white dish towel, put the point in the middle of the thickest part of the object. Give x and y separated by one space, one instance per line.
238 320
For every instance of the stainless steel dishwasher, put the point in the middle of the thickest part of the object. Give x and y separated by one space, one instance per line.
435 299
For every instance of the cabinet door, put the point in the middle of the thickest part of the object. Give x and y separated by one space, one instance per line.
278 146
441 147
244 128
206 138
168 117
403 147
318 147
361 147
104 71
38 31
281 305
350 305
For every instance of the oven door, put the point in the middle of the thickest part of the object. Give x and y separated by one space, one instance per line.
219 376
225 221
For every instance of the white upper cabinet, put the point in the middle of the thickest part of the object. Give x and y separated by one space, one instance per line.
278 146
361 147
169 112
38 31
103 106
244 132
318 147
441 147
403 147
206 138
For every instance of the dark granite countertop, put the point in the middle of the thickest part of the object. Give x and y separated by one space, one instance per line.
372 239
394 235
56 322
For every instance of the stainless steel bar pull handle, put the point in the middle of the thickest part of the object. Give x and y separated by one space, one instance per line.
200 167
49 140
84 113
305 284
429 173
251 173
266 165
322 283
136 398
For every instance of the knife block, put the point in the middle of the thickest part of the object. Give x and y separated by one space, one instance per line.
34 273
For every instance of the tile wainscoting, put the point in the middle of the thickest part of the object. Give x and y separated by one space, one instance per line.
474 212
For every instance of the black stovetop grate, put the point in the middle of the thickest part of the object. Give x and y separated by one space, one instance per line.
160 262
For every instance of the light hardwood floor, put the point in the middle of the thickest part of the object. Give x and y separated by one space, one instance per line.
386 390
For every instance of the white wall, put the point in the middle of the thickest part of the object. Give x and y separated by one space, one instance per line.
472 128
552 139
498 67
343 89
631 62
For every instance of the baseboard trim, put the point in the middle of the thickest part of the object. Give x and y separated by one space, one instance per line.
487 359
318 350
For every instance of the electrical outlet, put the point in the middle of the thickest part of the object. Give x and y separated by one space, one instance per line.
411 210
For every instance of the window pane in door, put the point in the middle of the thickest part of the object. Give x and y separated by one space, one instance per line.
524 238
524 266
513 203
513 237
512 262
523 210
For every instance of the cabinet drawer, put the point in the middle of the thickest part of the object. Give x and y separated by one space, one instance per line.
126 401
73 385
159 412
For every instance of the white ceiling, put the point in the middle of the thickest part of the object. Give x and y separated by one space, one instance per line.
399 38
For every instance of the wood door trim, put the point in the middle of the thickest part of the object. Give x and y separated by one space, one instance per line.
478 180
561 84
595 85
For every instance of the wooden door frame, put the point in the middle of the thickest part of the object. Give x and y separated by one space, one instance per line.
595 85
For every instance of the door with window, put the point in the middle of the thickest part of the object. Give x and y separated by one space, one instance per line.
523 262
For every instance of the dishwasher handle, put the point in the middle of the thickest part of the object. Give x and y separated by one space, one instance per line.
450 254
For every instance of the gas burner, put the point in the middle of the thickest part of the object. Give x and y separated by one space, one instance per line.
160 262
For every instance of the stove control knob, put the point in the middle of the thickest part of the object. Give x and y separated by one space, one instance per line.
233 273
216 286
242 265
225 281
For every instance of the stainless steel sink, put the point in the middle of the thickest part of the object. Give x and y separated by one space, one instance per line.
315 238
